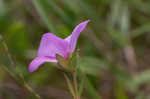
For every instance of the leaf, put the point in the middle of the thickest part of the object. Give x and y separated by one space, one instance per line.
64 63
44 15
91 90
139 79
82 77
17 38
92 65
69 85
59 11
73 60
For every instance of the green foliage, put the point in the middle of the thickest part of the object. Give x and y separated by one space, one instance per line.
44 15
116 24
120 92
17 38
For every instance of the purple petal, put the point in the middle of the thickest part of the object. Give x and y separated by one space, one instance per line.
68 38
34 65
51 45
72 39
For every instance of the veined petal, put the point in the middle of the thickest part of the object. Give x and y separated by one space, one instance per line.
51 45
72 39
34 65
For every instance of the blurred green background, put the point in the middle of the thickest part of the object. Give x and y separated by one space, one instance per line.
114 48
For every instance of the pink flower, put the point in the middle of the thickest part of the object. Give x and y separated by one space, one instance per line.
51 45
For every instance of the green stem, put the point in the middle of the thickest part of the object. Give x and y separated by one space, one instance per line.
7 51
21 82
75 82
15 75
70 86
82 84
73 88
31 91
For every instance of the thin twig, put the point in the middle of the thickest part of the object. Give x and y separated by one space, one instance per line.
82 85
17 77
75 84
70 86
13 63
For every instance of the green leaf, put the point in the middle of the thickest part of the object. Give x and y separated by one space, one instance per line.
17 39
91 90
82 78
39 5
59 11
73 59
92 65
139 79
70 86
64 63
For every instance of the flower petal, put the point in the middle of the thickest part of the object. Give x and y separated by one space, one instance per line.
68 38
72 39
51 45
34 65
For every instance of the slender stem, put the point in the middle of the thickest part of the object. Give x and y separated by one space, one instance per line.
75 84
82 84
21 81
7 51
70 86
31 91
17 77
73 88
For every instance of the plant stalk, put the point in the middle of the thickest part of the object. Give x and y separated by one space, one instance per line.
17 77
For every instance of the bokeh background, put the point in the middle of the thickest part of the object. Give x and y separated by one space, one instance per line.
114 48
